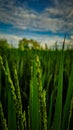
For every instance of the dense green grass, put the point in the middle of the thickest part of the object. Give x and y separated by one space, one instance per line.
36 89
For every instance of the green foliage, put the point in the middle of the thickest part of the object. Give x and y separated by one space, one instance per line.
0 82
26 44
10 95
3 43
23 44
4 46
68 102
41 95
34 100
36 89
58 105
50 112
3 125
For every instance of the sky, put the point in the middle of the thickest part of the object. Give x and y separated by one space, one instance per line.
46 21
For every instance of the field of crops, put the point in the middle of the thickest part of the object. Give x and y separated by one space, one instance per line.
36 90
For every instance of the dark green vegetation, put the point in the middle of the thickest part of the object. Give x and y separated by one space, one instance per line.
36 89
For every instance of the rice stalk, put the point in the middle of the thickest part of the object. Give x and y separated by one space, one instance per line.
24 120
34 100
20 120
58 106
49 118
42 96
20 70
29 121
11 100
71 110
67 102
0 83
3 125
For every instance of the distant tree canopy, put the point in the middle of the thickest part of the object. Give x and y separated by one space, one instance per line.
25 44
4 43
4 46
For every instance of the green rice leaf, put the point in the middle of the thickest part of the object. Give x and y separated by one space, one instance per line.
58 105
34 100
68 102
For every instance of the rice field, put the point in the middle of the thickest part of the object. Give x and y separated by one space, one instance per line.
36 90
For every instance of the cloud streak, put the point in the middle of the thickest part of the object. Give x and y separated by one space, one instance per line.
29 23
45 39
54 19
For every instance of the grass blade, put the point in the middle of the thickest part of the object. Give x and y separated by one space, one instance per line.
3 125
50 113
34 100
11 100
67 102
58 105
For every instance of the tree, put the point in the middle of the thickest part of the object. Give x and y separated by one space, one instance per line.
3 43
34 43
3 47
25 44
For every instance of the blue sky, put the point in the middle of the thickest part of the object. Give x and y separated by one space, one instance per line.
44 20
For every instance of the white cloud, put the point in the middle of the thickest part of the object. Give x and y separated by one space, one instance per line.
71 37
12 39
49 40
25 18
59 18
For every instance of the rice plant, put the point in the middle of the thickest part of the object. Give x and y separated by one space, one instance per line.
3 124
36 90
